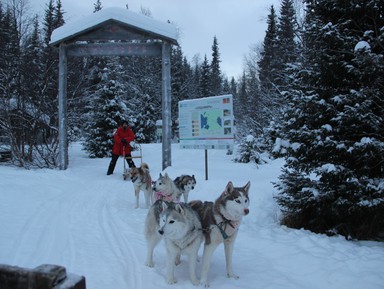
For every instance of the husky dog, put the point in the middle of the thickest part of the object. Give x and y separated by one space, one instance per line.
221 221
142 181
164 188
180 227
185 183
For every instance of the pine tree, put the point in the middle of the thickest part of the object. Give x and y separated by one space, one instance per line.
268 63
53 19
215 72
49 22
204 78
240 106
97 6
286 46
105 113
195 82
334 175
12 115
181 77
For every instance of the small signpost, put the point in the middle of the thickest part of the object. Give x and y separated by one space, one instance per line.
207 123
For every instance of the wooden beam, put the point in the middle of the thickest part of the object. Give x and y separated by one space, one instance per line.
63 140
115 49
166 104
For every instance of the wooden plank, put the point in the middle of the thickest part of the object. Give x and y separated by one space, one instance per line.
115 49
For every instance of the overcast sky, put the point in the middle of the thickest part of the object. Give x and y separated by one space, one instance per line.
237 24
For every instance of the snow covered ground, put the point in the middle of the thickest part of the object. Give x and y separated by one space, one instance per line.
84 220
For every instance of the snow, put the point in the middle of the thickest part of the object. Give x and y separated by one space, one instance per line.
362 45
84 220
327 127
328 168
138 21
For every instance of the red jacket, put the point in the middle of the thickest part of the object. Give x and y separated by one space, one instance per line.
120 134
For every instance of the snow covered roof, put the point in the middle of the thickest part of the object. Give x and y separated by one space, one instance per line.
134 21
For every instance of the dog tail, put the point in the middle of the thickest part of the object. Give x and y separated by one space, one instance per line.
145 166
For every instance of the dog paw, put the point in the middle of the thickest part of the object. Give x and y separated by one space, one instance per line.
204 283
231 275
195 282
171 280
150 264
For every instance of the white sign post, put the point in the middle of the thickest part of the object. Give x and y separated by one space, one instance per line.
206 123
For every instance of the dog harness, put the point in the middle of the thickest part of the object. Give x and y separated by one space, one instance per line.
226 231
163 196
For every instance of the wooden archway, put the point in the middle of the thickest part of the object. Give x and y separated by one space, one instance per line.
115 32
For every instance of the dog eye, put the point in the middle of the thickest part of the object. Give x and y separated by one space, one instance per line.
238 201
171 221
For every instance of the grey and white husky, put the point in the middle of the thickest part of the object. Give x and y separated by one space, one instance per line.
221 221
185 183
180 227
165 188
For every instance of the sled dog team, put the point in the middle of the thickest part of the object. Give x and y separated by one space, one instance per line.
184 226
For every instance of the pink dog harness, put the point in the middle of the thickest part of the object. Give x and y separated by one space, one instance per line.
163 196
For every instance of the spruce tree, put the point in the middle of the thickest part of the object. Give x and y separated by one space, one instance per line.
106 111
215 72
205 72
97 6
333 181
268 63
286 46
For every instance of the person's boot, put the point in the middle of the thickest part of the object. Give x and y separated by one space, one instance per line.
110 169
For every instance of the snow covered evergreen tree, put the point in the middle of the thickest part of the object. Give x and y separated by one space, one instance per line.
216 80
205 72
106 111
269 62
333 181
142 77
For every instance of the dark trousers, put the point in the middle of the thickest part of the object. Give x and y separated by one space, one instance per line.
114 159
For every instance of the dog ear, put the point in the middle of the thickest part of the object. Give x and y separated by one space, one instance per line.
164 206
179 209
246 187
228 188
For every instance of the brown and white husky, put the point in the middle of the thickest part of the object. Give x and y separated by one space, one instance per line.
142 181
221 221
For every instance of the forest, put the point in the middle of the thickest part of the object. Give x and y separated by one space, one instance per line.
312 93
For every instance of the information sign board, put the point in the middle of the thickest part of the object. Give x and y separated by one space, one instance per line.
206 123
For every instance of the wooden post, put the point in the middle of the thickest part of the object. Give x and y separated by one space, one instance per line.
166 104
206 164
63 141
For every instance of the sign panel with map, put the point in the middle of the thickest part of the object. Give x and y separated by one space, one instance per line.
206 123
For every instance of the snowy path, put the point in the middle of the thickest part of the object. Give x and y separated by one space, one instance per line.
84 220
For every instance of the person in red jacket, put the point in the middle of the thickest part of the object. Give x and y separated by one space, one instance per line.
123 140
